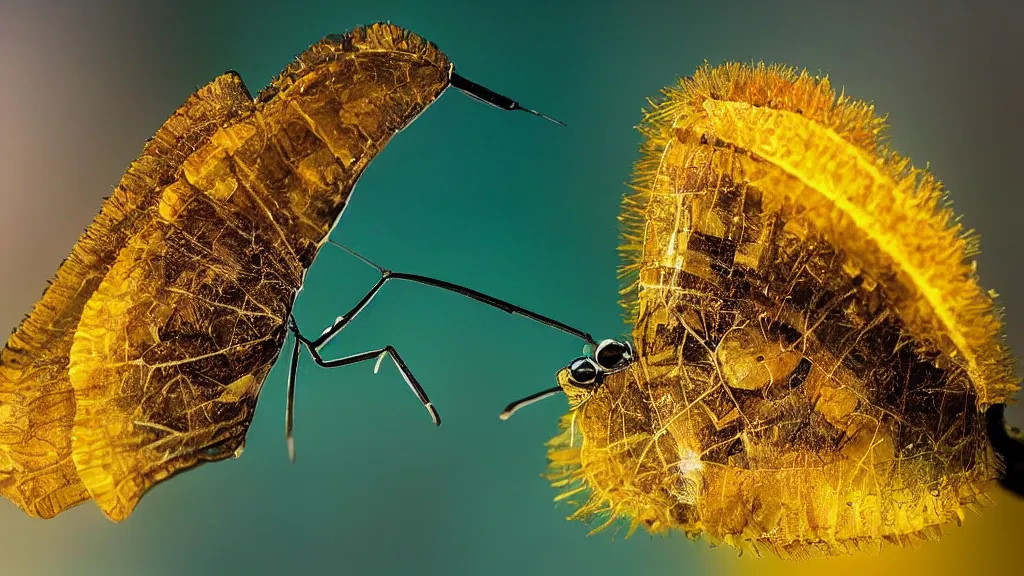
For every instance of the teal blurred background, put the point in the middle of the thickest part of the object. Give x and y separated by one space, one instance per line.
501 202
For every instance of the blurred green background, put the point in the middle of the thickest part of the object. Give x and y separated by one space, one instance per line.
501 202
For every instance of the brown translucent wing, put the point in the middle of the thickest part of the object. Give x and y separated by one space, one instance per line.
37 404
815 352
173 347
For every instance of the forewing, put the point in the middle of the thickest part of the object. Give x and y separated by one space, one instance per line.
37 406
173 347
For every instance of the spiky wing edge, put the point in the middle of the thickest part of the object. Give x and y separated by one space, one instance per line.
206 110
785 88
855 121
566 474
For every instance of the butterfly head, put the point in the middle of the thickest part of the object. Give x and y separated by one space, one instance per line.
584 375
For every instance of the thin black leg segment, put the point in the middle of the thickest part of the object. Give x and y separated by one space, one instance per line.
289 410
389 350
314 346
387 275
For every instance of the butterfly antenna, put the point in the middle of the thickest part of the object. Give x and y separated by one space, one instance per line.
524 402
488 96
364 259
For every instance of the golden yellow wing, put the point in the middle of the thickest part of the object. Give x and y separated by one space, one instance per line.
815 353
36 400
173 347
151 348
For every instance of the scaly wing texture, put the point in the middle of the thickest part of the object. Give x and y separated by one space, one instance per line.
37 405
806 383
826 157
173 348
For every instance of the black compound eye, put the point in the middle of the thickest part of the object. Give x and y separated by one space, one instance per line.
612 354
583 372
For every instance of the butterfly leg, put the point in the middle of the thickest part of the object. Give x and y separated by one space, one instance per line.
289 410
387 275
377 354
314 346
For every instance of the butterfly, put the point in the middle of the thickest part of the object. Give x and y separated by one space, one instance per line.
814 367
146 353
